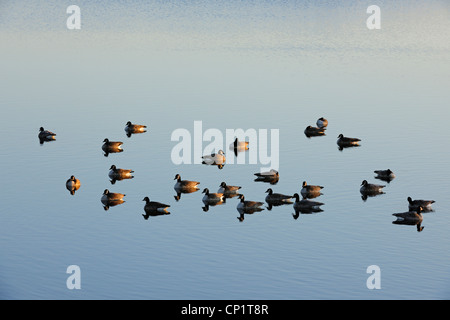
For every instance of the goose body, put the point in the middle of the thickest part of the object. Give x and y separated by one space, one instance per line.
212 197
224 188
245 204
277 197
135 128
111 196
153 206
410 215
370 188
214 158
116 173
269 174
73 184
46 135
424 204
111 145
240 145
314 131
308 189
322 122
185 184
385 173
305 203
346 141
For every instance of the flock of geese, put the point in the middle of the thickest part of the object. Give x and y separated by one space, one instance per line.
303 204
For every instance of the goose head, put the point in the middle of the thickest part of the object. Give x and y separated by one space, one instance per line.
146 199
364 183
128 123
205 191
296 196
304 184
340 136
113 167
223 185
106 192
177 177
269 191
410 200
41 129
106 140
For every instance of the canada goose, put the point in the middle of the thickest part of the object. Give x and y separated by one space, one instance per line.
135 128
424 204
111 145
308 189
73 184
244 205
415 215
311 131
46 135
370 188
241 145
322 122
277 197
385 173
305 204
346 141
212 197
153 206
271 173
224 188
185 184
214 158
111 196
116 173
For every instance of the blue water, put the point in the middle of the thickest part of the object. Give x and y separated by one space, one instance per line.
253 65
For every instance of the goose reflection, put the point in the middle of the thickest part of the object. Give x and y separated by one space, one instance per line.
370 194
303 210
244 211
418 224
180 191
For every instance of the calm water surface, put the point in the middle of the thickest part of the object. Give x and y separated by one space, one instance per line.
267 66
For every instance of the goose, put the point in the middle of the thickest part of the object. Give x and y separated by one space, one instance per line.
314 131
346 141
415 215
110 196
135 128
246 205
271 174
73 184
385 174
111 145
370 188
212 197
322 122
241 145
153 206
307 189
46 135
277 197
305 203
224 188
116 173
214 158
424 204
185 184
